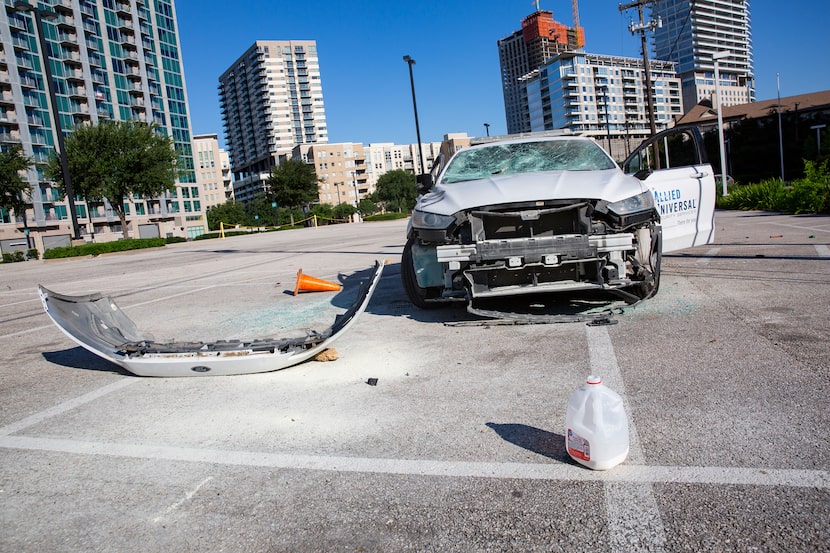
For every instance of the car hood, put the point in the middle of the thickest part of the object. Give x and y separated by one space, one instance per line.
611 185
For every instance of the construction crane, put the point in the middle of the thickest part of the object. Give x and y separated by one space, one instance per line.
574 8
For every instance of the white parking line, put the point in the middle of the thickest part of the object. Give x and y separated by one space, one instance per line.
627 474
65 406
634 522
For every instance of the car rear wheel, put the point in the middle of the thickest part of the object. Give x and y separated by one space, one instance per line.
416 294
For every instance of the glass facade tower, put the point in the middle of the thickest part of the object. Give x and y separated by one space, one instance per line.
110 60
692 31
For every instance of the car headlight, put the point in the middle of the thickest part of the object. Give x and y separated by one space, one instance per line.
634 204
426 220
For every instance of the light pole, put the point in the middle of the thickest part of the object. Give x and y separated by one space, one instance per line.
818 138
411 62
56 118
604 89
716 57
487 128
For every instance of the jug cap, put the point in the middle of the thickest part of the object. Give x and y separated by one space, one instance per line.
594 379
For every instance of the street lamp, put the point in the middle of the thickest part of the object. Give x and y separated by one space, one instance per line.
818 128
716 57
487 128
604 89
411 62
67 180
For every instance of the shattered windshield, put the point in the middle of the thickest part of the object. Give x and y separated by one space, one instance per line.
526 157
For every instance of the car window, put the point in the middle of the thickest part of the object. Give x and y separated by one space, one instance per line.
675 149
526 157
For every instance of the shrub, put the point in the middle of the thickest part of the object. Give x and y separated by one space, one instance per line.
8 257
104 247
32 253
808 195
386 216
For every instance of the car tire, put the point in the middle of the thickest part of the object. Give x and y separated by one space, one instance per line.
416 294
648 288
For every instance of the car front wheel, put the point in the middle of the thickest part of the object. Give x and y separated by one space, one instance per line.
416 294
651 284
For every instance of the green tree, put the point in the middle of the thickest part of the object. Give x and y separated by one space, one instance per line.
396 189
324 213
259 211
116 159
14 189
343 211
293 184
229 213
367 206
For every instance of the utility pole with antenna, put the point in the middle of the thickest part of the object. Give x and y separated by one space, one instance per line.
641 28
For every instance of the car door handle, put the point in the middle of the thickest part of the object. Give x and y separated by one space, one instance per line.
699 175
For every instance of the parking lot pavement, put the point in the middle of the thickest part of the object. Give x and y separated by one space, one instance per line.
458 445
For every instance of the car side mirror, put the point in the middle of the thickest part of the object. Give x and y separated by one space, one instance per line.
643 174
423 183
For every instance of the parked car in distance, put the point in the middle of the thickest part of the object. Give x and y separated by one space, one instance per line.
555 214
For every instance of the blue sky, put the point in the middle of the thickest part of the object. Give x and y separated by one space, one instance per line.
361 45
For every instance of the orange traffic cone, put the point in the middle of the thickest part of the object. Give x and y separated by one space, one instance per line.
307 283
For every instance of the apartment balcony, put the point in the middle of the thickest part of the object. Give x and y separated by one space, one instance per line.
71 57
28 82
31 101
17 23
13 135
74 75
25 63
20 43
122 7
65 21
130 46
66 38
91 27
79 108
64 6
88 9
34 119
38 138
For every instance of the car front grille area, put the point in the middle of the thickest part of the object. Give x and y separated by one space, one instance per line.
530 222
532 250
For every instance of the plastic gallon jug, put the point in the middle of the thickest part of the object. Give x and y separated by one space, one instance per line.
596 426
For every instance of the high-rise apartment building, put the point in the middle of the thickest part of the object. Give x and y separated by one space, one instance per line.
271 100
110 60
213 170
602 96
540 38
692 31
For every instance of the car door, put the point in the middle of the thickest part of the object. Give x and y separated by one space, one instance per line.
673 165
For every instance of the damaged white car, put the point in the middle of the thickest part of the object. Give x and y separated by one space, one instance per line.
555 214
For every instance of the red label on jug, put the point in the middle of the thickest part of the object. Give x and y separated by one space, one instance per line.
578 447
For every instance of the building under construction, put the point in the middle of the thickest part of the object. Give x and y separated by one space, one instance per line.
540 38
